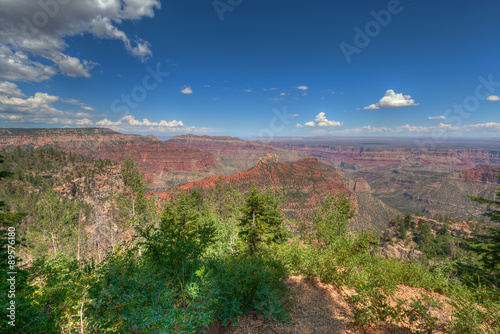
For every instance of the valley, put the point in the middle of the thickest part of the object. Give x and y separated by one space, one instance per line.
382 179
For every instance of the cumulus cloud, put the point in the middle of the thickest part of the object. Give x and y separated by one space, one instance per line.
488 125
10 89
38 29
39 108
129 123
16 66
187 90
302 88
391 100
320 120
298 125
437 117
482 129
493 98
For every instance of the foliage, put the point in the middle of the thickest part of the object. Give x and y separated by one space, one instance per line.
132 295
57 224
488 245
241 284
261 221
183 234
135 185
331 219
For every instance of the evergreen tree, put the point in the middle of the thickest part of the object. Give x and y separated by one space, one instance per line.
261 220
331 220
135 186
183 234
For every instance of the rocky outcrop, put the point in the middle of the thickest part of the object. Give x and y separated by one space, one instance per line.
361 186
97 186
269 158
400 252
306 182
460 229
482 174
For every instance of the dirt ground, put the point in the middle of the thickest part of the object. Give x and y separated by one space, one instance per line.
322 309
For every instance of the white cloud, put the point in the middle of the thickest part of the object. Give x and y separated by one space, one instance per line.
282 94
295 115
30 29
493 98
391 100
489 125
302 88
436 117
298 125
78 103
247 90
41 103
84 121
322 121
445 130
129 123
16 66
10 89
39 108
187 90
72 66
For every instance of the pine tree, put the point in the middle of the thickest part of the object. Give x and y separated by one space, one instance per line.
331 220
136 187
261 220
183 234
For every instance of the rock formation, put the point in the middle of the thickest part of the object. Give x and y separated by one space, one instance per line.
306 182
269 158
482 174
361 186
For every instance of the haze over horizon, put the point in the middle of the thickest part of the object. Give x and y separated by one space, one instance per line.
252 68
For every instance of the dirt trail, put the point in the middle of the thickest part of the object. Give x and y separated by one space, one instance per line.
322 309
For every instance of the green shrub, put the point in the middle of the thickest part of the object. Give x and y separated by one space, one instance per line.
133 296
241 284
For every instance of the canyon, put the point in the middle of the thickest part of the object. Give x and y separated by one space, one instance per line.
383 177
306 182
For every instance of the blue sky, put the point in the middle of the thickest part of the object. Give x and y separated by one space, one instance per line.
253 68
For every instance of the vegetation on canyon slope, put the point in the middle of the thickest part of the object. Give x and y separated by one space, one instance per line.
212 255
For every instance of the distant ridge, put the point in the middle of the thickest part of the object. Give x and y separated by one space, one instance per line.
306 182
